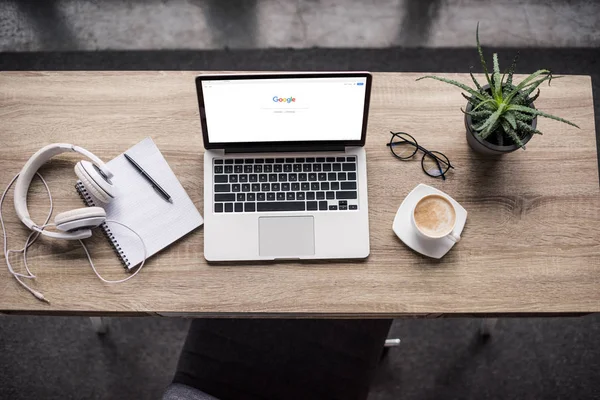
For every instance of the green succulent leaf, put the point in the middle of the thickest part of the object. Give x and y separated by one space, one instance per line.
527 118
525 82
491 123
497 88
534 98
506 89
534 111
527 128
489 103
464 87
496 64
513 135
478 114
535 86
523 117
482 58
522 97
478 127
510 118
484 134
511 70
477 85
475 101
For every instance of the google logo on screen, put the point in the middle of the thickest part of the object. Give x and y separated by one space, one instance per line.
288 100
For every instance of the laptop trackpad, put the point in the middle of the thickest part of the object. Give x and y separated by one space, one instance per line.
286 237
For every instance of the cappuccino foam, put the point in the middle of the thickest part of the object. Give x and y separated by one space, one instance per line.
435 216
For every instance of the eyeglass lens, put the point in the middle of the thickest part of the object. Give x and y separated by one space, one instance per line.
435 167
403 145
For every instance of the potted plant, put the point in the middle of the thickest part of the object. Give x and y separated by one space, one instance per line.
500 117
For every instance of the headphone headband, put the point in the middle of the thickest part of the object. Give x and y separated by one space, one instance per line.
26 176
99 163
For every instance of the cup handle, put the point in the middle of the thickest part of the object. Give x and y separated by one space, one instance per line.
455 237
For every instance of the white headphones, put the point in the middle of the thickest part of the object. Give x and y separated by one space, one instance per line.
77 223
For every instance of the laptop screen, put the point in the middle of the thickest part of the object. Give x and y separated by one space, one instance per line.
284 109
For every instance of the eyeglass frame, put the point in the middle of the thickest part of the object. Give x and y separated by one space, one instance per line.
426 152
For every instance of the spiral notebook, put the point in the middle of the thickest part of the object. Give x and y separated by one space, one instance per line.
139 206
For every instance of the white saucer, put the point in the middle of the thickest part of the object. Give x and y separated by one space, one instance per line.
403 226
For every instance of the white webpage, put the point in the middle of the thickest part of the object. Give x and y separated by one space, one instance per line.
279 110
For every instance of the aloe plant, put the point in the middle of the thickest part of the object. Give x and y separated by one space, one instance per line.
503 110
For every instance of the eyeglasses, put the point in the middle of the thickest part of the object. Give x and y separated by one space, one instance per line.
403 146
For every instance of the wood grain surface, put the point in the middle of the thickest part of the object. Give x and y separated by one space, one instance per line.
531 243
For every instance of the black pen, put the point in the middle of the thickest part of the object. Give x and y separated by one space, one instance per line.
155 185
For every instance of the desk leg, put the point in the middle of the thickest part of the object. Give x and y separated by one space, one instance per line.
486 327
99 324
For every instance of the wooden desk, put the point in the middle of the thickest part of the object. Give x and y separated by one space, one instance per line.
531 243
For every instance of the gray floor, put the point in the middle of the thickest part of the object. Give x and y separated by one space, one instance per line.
52 25
534 358
61 357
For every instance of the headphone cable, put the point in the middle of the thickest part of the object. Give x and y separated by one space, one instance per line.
35 235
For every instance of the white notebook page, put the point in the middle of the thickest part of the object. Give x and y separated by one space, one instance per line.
138 205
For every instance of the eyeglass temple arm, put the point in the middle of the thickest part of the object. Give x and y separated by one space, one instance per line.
437 161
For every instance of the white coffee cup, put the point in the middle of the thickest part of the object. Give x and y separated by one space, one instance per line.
434 217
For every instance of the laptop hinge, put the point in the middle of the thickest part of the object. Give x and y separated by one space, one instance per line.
285 149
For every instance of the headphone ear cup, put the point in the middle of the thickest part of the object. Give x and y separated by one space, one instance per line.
80 218
94 182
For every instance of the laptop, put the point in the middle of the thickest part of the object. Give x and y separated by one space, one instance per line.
285 173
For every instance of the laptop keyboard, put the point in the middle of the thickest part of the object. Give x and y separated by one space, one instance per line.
285 184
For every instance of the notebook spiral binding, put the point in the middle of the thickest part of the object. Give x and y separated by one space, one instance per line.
89 201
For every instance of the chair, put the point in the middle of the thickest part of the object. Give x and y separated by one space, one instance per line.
291 359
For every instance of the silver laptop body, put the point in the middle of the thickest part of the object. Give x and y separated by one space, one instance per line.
285 174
